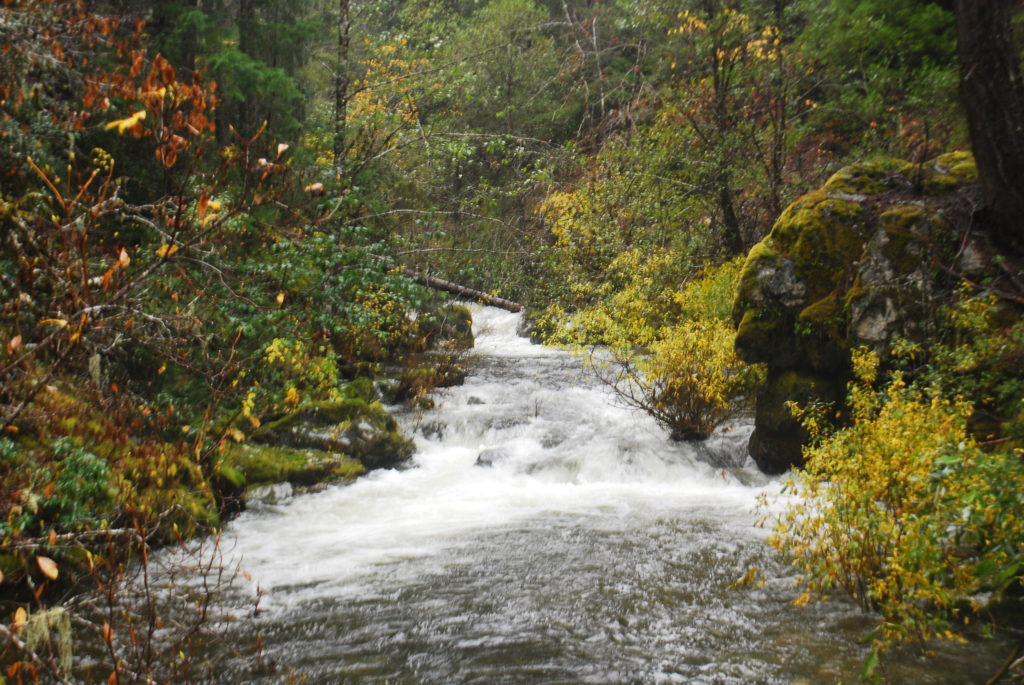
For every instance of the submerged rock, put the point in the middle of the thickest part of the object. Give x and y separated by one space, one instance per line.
856 262
491 456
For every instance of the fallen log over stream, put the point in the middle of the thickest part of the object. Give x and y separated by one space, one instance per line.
463 291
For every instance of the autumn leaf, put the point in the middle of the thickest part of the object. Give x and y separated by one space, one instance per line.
315 188
236 435
60 323
280 299
13 344
48 566
166 250
20 618
123 259
281 147
128 123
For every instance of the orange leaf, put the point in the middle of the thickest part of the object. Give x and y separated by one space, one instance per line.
315 188
166 250
108 633
53 534
14 344
113 679
123 259
280 299
60 323
20 618
48 566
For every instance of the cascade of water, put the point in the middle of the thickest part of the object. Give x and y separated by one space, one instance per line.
530 432
543 533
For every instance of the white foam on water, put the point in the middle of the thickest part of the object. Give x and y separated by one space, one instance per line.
557 443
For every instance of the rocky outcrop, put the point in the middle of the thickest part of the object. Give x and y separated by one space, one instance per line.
864 260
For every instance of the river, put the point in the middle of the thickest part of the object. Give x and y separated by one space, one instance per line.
588 549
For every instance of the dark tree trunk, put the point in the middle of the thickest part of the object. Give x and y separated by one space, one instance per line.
730 221
341 86
992 93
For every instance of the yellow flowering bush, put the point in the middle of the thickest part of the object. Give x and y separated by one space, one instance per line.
904 511
671 349
689 379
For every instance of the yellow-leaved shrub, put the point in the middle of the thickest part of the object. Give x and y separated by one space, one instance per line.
669 348
904 511
690 378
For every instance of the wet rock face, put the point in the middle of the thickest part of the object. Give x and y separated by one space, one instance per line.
856 262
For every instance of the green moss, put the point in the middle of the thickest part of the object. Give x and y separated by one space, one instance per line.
323 414
827 311
758 334
791 386
361 389
908 230
234 481
361 431
823 235
948 172
260 464
870 177
9 565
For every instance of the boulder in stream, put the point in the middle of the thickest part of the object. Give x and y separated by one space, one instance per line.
863 261
354 428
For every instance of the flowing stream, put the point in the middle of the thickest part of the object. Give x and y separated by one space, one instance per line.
583 548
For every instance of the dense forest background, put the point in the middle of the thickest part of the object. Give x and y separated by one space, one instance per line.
217 212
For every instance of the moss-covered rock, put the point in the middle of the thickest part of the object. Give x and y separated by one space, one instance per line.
852 263
357 429
263 464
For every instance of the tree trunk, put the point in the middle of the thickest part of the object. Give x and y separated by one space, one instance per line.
341 86
992 94
247 121
462 291
730 221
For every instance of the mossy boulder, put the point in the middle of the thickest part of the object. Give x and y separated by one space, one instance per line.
264 464
352 427
857 262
